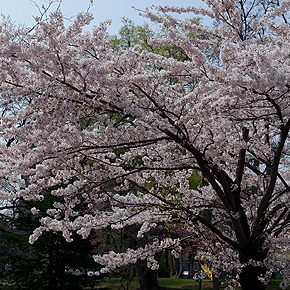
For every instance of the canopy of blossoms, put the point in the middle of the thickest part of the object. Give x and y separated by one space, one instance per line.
116 136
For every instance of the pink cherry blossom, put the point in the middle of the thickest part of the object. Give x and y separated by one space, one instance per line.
122 134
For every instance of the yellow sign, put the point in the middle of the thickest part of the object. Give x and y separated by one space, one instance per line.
205 268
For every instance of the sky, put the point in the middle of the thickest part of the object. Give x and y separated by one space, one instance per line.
22 11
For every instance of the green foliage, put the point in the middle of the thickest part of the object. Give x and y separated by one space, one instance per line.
194 180
131 34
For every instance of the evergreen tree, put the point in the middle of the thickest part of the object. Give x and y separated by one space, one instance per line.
51 262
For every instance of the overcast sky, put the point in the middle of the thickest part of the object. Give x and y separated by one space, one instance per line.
22 11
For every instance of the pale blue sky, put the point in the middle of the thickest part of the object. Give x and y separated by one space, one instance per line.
22 11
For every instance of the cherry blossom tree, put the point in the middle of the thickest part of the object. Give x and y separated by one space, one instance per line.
117 136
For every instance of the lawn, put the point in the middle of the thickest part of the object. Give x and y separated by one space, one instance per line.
171 284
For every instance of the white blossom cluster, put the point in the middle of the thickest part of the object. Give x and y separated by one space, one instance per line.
113 260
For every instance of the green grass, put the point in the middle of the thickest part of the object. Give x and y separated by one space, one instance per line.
115 284
274 285
169 283
172 283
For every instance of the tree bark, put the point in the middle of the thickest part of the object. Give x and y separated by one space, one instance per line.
249 278
250 273
215 282
173 265
199 284
147 278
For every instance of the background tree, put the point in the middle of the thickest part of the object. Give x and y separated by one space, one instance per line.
50 263
131 34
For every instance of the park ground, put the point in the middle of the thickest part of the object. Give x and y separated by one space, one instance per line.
170 284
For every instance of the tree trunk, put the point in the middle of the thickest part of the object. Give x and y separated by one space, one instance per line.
173 265
250 273
147 278
215 282
199 284
50 269
249 278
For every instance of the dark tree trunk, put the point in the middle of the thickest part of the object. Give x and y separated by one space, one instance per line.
249 278
147 278
215 282
199 284
173 265
50 269
250 273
